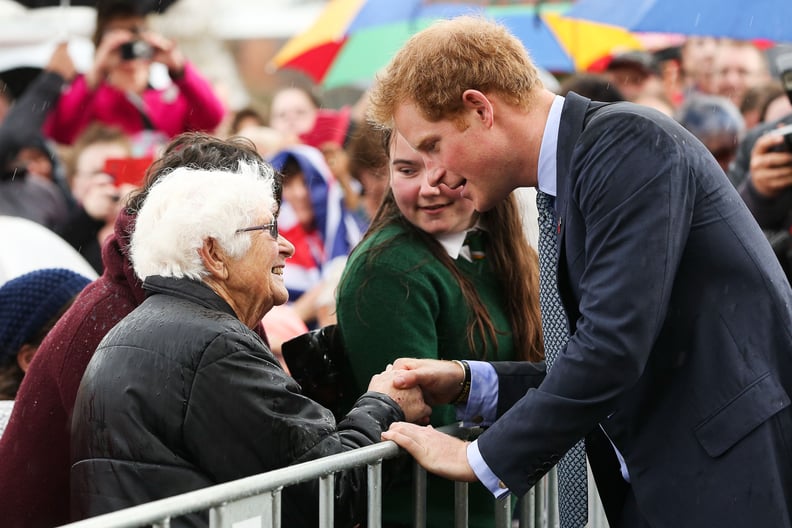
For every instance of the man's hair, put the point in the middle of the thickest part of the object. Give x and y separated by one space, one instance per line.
437 65
197 150
187 206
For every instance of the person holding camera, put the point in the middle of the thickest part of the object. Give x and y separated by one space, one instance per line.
98 197
116 91
762 172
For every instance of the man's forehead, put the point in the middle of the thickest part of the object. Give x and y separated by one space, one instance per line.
414 128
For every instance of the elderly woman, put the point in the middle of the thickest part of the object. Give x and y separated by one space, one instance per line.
182 394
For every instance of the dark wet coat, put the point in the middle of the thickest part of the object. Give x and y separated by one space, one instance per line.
181 395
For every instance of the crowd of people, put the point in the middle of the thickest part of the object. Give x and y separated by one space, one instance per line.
217 235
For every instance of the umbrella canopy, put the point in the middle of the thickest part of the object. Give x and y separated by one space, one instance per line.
737 19
146 6
352 39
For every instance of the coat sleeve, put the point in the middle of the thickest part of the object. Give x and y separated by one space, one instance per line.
73 110
770 213
205 110
245 416
632 197
23 123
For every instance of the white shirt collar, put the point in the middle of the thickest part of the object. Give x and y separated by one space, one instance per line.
547 170
453 243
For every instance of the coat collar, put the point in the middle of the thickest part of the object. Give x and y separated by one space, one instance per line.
572 122
192 290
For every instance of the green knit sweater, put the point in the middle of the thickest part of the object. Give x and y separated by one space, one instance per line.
404 303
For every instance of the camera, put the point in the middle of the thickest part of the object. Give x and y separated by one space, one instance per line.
785 131
136 49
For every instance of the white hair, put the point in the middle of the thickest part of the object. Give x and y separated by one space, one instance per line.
187 206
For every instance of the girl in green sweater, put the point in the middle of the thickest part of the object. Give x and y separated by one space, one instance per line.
416 287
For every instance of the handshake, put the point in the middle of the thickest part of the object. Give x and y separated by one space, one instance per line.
416 384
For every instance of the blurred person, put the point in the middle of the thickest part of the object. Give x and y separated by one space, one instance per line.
368 164
207 248
25 195
433 278
755 100
245 117
293 110
115 91
30 305
595 86
314 218
34 450
739 65
297 111
634 73
6 100
776 108
657 102
337 158
32 185
762 172
267 140
716 122
669 62
99 198
661 274
698 64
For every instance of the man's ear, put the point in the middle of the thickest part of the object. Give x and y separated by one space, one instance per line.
25 356
480 103
213 258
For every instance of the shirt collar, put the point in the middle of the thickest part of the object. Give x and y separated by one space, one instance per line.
454 243
547 171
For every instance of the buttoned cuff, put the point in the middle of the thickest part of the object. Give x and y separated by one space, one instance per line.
482 403
485 475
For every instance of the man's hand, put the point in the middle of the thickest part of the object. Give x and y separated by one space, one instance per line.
771 172
409 399
439 380
436 452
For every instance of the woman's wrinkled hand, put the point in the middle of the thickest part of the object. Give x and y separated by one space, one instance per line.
409 399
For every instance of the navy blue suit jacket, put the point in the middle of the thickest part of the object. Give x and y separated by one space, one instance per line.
681 348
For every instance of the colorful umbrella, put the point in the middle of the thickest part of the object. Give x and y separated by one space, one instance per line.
352 39
738 19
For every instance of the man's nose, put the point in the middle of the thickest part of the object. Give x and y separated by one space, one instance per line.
434 173
427 187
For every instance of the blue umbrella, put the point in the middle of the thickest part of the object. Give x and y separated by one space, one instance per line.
737 19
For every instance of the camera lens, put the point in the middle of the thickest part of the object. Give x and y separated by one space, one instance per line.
137 49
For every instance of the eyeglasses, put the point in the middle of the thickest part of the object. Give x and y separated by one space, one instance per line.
271 228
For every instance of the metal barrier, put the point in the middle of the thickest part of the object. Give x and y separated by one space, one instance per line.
256 501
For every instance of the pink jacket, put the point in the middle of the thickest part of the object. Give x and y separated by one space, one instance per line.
189 105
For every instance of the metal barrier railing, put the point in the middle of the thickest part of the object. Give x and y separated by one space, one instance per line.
256 500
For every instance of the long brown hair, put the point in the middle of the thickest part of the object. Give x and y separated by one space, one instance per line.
514 261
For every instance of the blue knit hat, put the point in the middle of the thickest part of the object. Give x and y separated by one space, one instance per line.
27 302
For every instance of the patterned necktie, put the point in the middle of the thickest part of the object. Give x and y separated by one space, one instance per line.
572 477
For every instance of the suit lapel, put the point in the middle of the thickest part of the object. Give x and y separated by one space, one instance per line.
573 117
